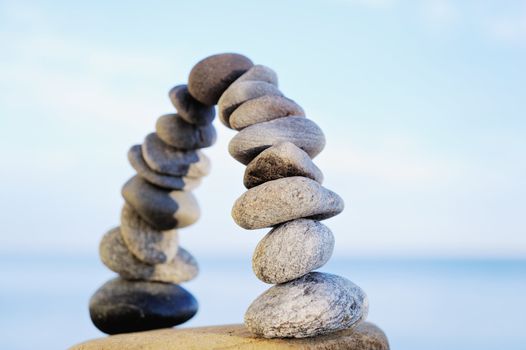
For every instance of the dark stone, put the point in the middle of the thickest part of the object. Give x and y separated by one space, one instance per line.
162 209
211 76
166 159
189 108
302 132
121 306
279 161
165 181
173 130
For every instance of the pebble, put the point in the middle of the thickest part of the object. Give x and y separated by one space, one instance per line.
121 306
168 160
264 109
240 92
286 199
315 304
279 161
144 242
117 257
210 77
302 132
191 110
165 181
260 72
173 130
162 209
292 250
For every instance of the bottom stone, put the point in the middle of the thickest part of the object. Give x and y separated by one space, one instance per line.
122 306
365 336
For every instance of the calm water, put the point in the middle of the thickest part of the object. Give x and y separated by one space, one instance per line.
420 304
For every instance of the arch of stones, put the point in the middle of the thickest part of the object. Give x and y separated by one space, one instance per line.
276 142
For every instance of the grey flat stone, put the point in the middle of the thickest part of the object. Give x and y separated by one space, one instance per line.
117 257
210 77
260 72
162 209
240 92
191 110
169 160
282 200
144 242
263 109
302 132
122 306
165 181
315 304
173 130
292 250
279 161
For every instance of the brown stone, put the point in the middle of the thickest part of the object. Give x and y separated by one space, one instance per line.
365 336
211 76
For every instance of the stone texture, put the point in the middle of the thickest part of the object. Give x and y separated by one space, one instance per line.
279 161
144 242
263 109
292 250
210 77
282 200
169 160
302 132
315 304
165 181
162 209
121 306
191 110
365 336
117 257
240 92
260 72
176 132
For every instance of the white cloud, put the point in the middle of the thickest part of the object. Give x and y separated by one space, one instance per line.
440 14
510 29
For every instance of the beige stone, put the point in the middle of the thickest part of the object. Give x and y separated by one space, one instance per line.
365 336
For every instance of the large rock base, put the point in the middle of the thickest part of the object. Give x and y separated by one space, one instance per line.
365 336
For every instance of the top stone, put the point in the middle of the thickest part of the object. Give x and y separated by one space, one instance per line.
210 77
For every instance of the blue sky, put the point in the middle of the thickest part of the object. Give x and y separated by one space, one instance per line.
423 104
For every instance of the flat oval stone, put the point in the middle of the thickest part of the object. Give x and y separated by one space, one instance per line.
191 110
210 77
278 201
315 304
117 257
165 181
279 161
260 72
264 109
292 250
240 92
162 209
173 130
144 242
169 160
121 306
302 132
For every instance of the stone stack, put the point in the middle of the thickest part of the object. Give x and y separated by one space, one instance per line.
277 142
145 249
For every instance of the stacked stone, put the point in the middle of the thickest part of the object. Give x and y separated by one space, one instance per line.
277 143
145 249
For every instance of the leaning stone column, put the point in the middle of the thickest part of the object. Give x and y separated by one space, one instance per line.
277 142
145 249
